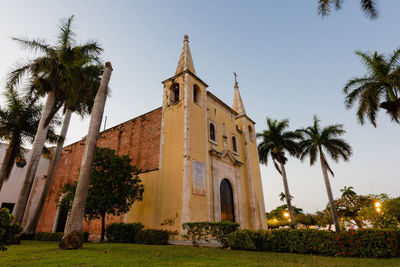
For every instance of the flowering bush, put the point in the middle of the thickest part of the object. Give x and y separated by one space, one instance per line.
363 243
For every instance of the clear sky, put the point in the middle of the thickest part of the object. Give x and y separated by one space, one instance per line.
290 63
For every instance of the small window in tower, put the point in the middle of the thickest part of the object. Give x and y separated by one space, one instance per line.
196 95
212 132
234 145
174 93
251 134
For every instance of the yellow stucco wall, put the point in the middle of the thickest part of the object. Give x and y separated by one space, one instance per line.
162 206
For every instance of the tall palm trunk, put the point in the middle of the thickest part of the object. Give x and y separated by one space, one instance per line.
31 227
72 238
288 200
9 159
329 192
36 153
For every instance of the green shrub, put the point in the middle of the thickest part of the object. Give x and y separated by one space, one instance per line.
247 240
123 232
363 243
368 243
303 241
8 231
198 231
45 236
152 237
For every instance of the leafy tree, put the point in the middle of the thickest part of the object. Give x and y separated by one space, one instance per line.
388 217
52 74
19 120
307 219
380 87
322 142
350 204
367 6
114 187
8 230
275 142
276 216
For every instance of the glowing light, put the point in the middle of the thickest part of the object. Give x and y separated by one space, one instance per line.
286 214
378 209
377 204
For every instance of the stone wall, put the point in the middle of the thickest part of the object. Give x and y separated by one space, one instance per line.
139 138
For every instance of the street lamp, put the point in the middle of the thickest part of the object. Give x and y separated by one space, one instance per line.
378 206
286 214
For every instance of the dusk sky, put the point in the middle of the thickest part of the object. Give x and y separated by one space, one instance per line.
291 63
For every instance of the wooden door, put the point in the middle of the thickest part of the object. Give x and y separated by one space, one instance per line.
227 208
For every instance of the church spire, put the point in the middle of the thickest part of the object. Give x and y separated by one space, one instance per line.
185 60
237 99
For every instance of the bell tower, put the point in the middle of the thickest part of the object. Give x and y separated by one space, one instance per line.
183 142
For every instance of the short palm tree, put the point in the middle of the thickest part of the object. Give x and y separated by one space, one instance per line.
367 6
348 192
51 75
19 120
325 142
380 87
275 142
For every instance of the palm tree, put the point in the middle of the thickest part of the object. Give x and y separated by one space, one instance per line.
348 192
19 120
51 74
72 238
275 142
87 83
380 87
282 197
367 6
323 142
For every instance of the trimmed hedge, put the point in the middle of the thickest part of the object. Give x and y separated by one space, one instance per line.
45 236
198 231
152 237
123 232
364 243
8 230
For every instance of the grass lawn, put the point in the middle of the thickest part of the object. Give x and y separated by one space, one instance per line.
34 253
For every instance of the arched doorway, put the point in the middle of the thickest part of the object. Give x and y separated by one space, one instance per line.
226 195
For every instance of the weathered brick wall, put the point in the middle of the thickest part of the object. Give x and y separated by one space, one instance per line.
139 138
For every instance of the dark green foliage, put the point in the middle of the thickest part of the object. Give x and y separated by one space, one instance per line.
367 6
8 231
247 240
123 232
378 88
114 186
45 236
198 231
368 243
152 237
365 243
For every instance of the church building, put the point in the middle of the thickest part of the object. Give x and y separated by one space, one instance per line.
197 157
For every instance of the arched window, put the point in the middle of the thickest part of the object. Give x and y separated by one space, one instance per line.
234 146
196 95
226 196
174 93
251 133
212 132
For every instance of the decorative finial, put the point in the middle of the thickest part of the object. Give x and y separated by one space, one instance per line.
236 83
186 38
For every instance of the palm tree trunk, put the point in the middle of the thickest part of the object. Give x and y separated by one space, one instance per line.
9 160
329 192
31 228
72 238
36 153
288 200
103 229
